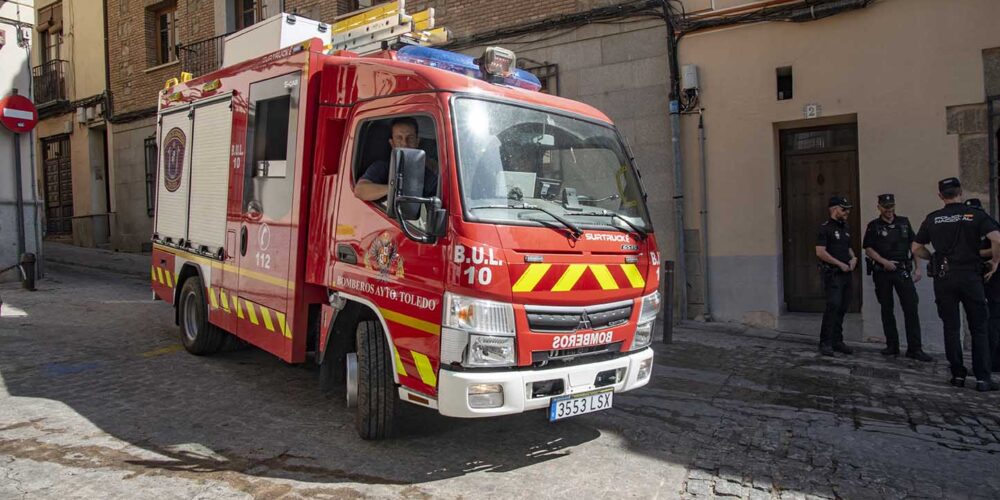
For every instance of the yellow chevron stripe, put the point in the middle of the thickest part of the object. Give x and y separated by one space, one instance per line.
400 369
569 278
410 321
251 312
529 280
236 305
282 327
152 273
225 300
211 298
159 274
634 276
424 368
604 277
267 318
170 280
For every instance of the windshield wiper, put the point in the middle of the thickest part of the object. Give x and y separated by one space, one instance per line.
638 230
574 229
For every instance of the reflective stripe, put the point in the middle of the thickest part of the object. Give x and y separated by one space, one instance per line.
211 298
410 321
227 267
633 275
152 273
604 277
569 278
236 305
282 327
532 275
225 300
159 274
170 281
267 318
251 312
424 368
400 369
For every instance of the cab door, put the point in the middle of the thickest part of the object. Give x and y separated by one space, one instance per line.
265 234
376 263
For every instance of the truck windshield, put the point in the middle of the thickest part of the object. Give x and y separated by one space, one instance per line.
513 160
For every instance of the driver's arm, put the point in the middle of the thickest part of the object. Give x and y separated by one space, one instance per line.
369 191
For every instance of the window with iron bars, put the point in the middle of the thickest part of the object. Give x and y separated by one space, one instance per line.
547 73
149 148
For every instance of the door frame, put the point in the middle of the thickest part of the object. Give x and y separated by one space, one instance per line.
781 132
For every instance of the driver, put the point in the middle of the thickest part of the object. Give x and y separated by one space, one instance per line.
374 184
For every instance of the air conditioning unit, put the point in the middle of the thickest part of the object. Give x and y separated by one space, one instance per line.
271 35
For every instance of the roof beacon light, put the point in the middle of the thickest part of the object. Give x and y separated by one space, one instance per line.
497 62
469 66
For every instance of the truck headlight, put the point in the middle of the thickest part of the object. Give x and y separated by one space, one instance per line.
643 336
650 307
481 330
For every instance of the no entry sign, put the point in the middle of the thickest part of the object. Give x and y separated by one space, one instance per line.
18 114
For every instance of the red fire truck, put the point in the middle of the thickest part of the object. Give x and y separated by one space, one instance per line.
512 265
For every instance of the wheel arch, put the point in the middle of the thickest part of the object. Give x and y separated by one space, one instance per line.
357 309
188 269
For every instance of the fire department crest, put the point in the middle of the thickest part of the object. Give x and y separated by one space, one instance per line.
173 158
383 257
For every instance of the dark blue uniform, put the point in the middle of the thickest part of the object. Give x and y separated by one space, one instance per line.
836 237
955 233
892 240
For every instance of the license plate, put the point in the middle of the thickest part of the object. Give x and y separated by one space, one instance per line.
571 406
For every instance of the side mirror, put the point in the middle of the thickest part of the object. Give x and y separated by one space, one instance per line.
406 183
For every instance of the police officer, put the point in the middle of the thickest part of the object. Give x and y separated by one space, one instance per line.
887 247
954 231
992 295
837 262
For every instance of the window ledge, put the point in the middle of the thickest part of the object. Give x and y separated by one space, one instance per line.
162 66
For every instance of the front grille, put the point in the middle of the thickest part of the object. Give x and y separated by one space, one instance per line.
569 354
543 319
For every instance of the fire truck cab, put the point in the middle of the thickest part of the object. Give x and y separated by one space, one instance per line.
512 265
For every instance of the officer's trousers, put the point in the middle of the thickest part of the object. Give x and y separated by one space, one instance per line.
993 330
902 283
837 286
965 288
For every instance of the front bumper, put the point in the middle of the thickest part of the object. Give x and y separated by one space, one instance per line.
453 386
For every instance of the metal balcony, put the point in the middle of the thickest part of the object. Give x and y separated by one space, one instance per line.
201 57
50 81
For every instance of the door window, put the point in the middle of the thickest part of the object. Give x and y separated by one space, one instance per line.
272 118
376 139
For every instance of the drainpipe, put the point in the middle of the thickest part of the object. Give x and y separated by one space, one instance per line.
704 217
675 140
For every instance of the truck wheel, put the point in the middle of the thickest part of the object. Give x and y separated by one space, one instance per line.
376 398
197 334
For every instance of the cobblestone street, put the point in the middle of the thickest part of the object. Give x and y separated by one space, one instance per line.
98 400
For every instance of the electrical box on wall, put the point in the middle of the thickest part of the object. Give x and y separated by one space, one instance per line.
689 77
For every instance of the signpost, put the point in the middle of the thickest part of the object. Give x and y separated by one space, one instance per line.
18 114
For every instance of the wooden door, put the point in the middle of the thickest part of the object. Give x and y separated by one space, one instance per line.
817 163
58 170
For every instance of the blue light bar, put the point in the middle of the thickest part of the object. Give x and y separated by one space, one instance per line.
462 64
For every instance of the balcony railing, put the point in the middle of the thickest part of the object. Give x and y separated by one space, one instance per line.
201 57
50 81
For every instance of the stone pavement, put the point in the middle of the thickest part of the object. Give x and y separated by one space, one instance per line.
97 400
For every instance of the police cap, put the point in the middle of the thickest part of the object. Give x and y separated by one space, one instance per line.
887 200
949 183
839 201
974 202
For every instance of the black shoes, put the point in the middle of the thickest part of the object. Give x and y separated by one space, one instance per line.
842 348
987 386
919 356
890 351
958 381
825 350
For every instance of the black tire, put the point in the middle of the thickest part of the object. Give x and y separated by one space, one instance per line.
197 334
377 394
